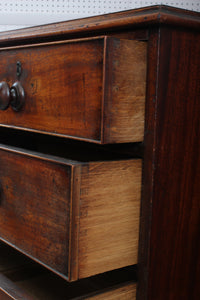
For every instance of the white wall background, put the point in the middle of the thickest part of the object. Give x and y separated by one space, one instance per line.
22 13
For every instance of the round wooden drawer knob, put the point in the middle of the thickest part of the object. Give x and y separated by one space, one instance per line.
13 96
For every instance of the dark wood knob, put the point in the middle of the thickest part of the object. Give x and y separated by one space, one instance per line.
4 95
13 96
17 96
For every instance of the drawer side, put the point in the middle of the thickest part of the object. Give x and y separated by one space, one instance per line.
124 90
109 216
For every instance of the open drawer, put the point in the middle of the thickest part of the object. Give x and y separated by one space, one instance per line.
78 218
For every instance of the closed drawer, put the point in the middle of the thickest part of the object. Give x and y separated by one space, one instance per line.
92 89
22 279
76 218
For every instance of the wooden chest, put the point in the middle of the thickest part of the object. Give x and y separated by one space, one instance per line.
99 154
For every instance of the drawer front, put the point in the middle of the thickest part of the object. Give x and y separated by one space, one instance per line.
78 219
91 89
35 207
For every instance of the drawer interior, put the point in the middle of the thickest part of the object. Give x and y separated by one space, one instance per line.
24 275
94 190
70 149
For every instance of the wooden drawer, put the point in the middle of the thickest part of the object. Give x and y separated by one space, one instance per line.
27 289
77 218
92 89
22 279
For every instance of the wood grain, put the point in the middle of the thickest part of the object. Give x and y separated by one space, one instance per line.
35 208
127 292
77 219
66 89
109 216
175 204
148 164
63 86
125 90
109 23
169 227
169 260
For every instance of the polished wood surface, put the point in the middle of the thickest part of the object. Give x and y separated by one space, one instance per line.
63 213
169 253
35 207
175 206
83 89
147 17
13 96
4 95
148 165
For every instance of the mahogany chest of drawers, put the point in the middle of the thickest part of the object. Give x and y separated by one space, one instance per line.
99 155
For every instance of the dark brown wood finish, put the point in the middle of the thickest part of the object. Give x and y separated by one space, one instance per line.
83 89
56 211
115 22
175 264
169 251
148 164
35 207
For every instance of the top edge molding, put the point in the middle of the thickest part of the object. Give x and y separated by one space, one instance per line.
135 18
